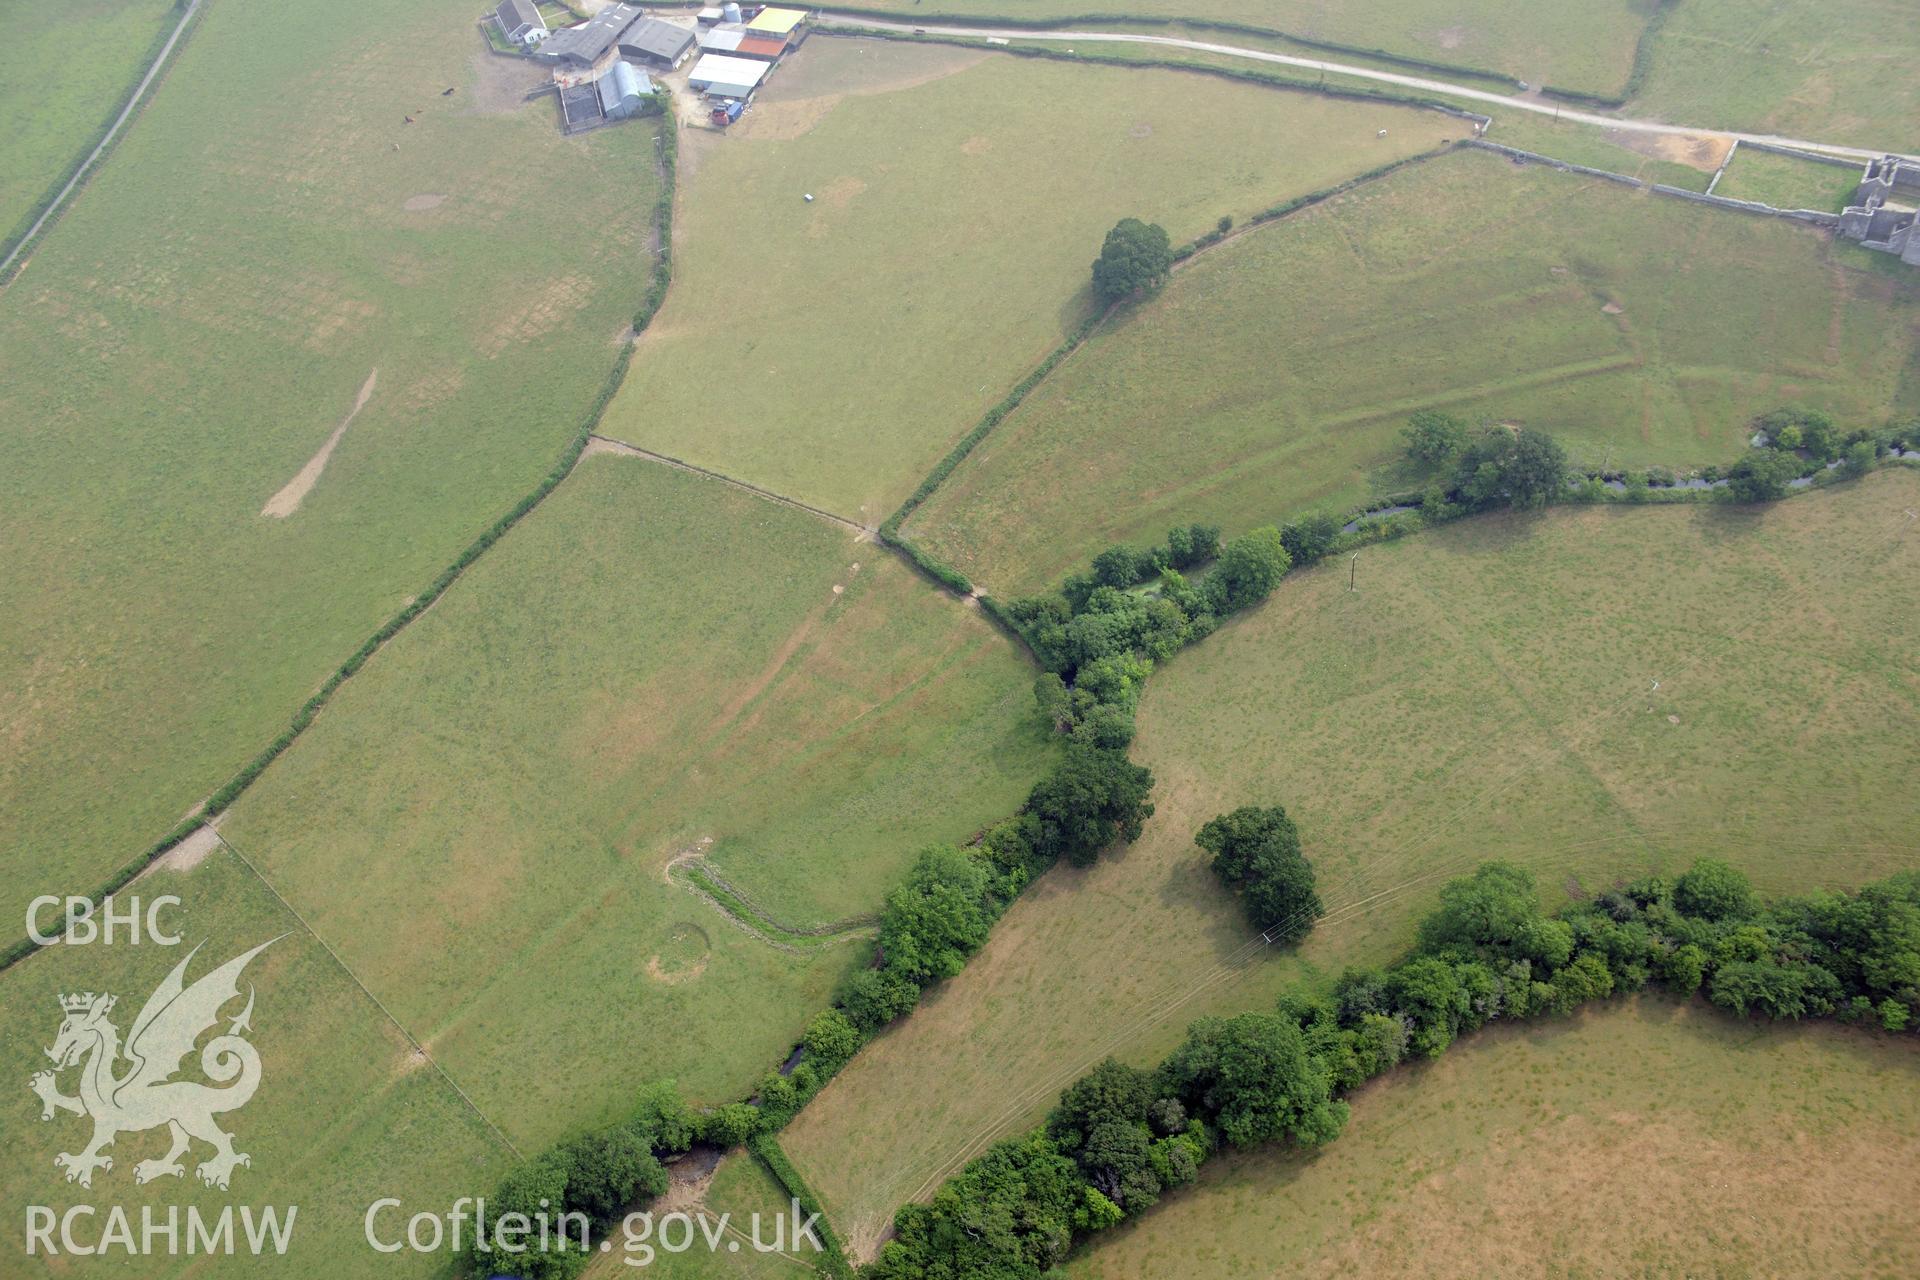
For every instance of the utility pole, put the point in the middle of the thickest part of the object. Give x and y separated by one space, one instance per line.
1353 570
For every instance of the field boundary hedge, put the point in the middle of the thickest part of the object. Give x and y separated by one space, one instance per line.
833 1258
223 798
86 162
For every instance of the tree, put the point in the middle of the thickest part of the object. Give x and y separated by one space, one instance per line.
1535 470
1762 475
1111 1092
1252 1073
1433 437
1309 538
1712 890
1192 544
1524 468
1091 800
1496 912
1010 1215
938 918
612 1168
831 1039
874 997
1256 853
1249 568
1136 256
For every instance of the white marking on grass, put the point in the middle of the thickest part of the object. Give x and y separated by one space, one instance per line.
288 500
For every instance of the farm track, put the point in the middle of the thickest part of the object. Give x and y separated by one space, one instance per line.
850 23
134 102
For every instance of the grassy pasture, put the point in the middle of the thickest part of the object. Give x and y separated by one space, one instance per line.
270 233
345 1113
1588 47
1487 693
1609 1144
654 664
1787 182
835 350
1837 72
1274 373
65 70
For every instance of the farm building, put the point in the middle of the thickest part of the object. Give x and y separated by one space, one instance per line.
719 76
589 45
1885 213
660 44
622 90
767 47
520 22
724 38
777 22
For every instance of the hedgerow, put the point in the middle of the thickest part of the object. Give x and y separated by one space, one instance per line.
1122 1137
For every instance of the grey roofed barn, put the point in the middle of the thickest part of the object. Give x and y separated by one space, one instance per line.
586 44
656 41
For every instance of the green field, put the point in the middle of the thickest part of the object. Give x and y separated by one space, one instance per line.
835 350
654 665
1487 693
57 101
345 1112
1833 72
1274 374
1587 46
190 335
1608 1144
1788 182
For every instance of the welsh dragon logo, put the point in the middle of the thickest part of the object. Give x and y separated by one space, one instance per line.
145 1095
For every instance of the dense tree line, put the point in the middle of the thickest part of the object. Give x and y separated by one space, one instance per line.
1121 1137
1477 468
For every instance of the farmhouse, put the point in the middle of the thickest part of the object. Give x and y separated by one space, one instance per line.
720 76
1885 213
657 43
520 22
589 46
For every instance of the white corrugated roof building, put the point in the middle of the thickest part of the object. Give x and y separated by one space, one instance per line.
726 77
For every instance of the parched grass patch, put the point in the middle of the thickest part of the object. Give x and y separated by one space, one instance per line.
65 72
1837 72
191 333
1589 47
1487 693
1609 1144
1788 182
345 1113
1275 373
654 667
834 350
